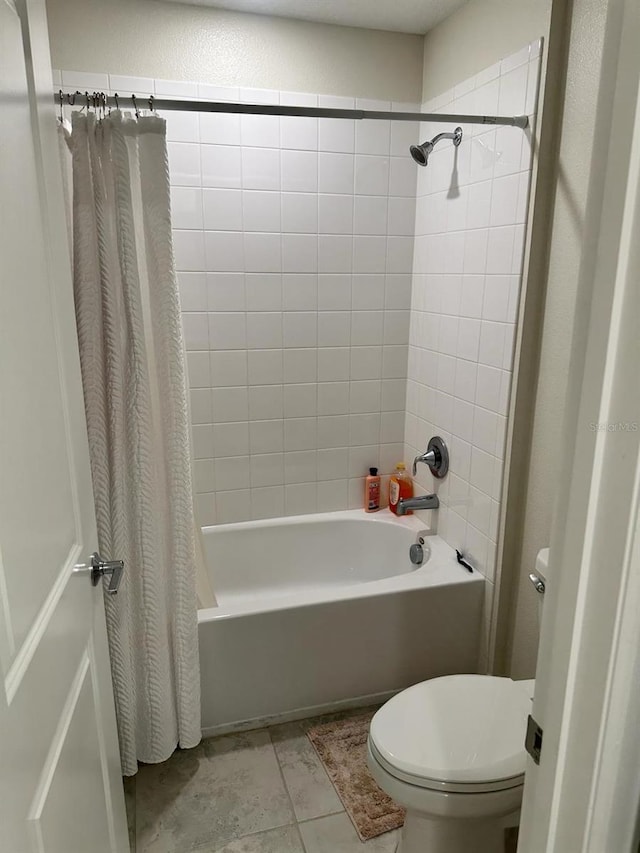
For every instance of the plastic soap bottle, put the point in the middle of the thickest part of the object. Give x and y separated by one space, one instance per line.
400 486
372 491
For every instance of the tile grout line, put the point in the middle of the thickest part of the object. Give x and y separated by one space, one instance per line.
286 788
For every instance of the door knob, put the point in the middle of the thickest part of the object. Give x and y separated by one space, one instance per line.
97 568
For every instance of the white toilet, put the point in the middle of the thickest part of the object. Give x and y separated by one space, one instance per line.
451 751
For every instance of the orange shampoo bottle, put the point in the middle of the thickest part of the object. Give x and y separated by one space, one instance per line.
372 491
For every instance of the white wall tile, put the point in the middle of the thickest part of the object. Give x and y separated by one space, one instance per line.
222 210
227 331
224 251
262 252
367 328
335 253
198 370
299 133
261 169
335 214
300 400
226 291
300 434
335 173
336 135
300 499
188 250
266 469
299 292
333 398
260 211
232 473
299 171
367 291
221 166
300 212
334 291
260 131
182 126
333 496
184 164
300 365
373 136
264 330
265 367
333 364
370 214
193 291
196 331
365 396
402 177
265 402
220 128
231 439
299 253
267 502
266 436
372 175
263 291
229 404
300 329
228 368
369 254
233 506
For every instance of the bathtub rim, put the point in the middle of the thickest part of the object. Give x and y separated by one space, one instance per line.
442 569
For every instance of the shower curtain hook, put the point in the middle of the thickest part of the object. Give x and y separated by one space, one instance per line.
135 106
115 98
151 107
61 106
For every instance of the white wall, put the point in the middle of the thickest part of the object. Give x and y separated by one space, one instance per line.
480 33
193 43
471 210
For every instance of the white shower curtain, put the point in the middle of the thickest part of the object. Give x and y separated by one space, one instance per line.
131 351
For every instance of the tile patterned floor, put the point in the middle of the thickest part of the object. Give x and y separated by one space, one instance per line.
263 791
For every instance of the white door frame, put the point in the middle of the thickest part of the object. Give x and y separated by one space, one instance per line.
585 794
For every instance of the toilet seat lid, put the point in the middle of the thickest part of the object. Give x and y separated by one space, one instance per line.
463 729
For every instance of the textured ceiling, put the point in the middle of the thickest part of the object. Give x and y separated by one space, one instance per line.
404 16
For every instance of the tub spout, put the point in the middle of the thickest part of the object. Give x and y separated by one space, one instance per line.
420 502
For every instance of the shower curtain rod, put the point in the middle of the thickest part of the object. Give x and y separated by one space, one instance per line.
280 110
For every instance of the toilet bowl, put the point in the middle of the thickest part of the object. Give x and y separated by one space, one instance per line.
451 751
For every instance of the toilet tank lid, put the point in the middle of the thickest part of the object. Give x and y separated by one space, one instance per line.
458 728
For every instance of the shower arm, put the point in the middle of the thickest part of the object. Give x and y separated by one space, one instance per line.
456 136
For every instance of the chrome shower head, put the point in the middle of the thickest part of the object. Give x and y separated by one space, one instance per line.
420 153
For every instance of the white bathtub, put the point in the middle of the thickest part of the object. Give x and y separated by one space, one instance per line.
319 612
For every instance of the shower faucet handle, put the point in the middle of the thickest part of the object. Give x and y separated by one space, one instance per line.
436 456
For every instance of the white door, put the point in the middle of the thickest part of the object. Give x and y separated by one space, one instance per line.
60 785
584 797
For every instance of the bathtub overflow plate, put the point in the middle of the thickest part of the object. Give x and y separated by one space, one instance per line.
416 554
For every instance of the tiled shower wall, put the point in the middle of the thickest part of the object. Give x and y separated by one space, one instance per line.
294 246
293 240
470 227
